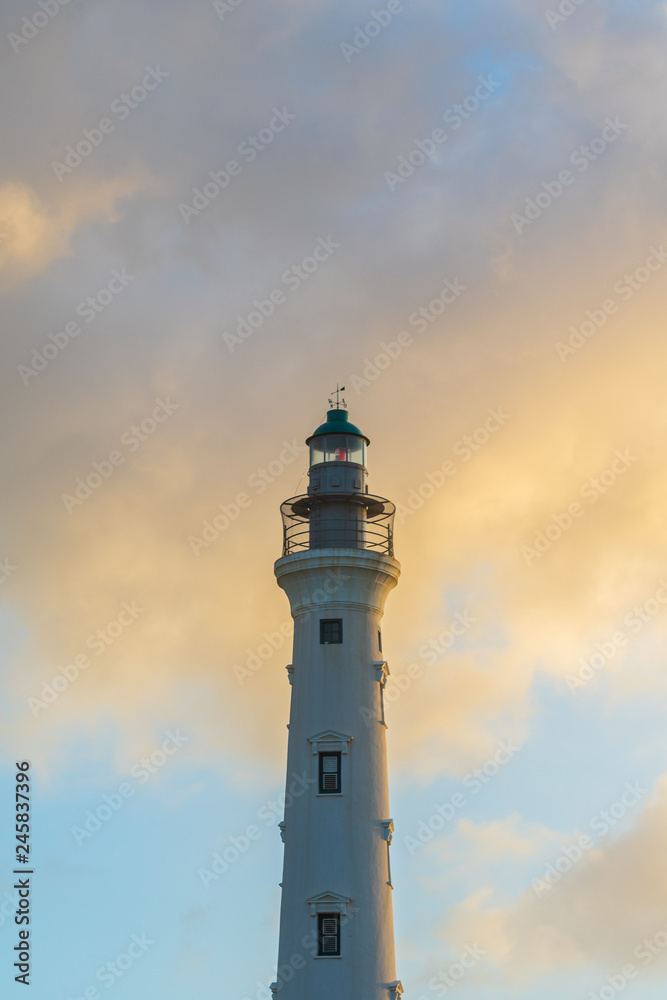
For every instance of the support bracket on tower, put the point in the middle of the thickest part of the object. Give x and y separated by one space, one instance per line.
382 670
290 672
396 990
388 826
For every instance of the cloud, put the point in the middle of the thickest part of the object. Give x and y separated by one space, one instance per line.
494 347
599 911
33 234
500 838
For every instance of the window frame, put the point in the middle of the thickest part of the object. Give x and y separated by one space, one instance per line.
328 622
321 917
321 790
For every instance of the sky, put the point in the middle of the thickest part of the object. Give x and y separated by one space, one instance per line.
211 214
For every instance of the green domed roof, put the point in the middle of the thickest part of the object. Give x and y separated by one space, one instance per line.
337 422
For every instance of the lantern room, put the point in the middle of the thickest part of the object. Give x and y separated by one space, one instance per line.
337 456
337 440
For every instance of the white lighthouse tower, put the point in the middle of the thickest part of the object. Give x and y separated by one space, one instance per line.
337 568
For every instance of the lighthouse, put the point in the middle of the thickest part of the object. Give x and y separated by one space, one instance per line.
337 568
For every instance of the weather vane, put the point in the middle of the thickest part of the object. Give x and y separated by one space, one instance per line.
339 402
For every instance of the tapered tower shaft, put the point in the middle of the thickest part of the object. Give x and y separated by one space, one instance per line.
336 923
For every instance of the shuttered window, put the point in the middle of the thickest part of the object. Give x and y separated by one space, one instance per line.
328 934
329 773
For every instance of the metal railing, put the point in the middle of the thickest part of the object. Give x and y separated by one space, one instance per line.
313 522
